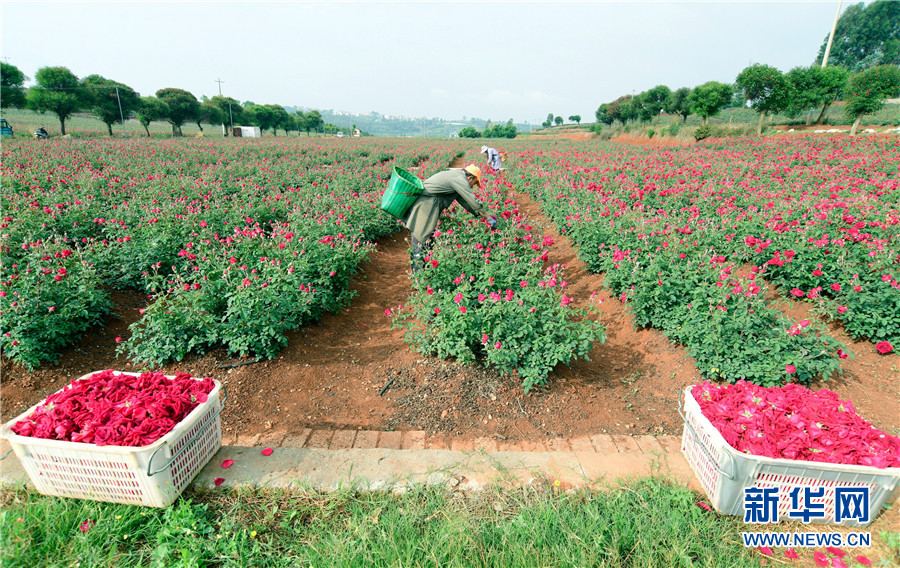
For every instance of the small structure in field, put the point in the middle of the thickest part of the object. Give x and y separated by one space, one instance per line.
245 132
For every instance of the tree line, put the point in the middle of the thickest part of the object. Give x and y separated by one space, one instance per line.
767 91
863 72
61 92
497 130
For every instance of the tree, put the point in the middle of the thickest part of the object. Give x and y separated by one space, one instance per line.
814 86
280 119
831 84
262 116
106 103
629 108
57 91
507 130
312 120
865 37
210 113
656 100
469 132
868 90
576 118
550 117
766 88
603 114
232 112
681 103
708 99
558 120
150 109
183 107
12 91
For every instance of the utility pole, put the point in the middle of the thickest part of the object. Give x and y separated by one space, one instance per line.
831 37
219 81
121 114
827 50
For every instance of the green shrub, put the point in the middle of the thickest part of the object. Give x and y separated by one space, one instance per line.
50 297
651 133
703 131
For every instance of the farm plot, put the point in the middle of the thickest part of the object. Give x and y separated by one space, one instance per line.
692 240
236 243
118 217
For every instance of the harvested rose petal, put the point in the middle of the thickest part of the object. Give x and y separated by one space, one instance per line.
836 562
227 463
765 550
266 452
821 559
704 505
796 423
218 481
109 408
791 554
85 526
836 551
863 560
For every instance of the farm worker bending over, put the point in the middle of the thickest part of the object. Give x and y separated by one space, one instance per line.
493 157
441 190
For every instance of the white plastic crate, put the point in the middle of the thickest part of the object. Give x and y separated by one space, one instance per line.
152 475
724 472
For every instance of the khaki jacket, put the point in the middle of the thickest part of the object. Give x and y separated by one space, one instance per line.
441 190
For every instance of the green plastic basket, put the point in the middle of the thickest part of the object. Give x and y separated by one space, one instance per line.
403 190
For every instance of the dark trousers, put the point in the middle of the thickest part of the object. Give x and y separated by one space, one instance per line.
417 253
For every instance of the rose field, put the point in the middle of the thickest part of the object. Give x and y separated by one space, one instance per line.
616 276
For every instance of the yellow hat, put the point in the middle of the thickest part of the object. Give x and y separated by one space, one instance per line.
475 171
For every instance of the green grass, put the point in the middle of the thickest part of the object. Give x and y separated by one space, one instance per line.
649 522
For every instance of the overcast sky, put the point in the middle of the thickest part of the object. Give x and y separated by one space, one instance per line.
492 60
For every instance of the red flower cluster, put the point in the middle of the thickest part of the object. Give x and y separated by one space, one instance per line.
114 409
795 423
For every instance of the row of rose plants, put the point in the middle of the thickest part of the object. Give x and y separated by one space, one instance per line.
489 294
235 242
692 239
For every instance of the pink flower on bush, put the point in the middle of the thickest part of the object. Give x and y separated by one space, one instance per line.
497 345
790 369
884 347
841 309
797 292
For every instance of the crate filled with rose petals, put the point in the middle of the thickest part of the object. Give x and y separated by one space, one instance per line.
742 436
120 437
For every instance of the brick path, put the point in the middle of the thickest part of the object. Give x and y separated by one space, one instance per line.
326 439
